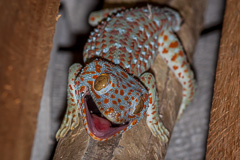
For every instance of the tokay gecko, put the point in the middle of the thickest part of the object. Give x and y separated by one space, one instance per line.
114 90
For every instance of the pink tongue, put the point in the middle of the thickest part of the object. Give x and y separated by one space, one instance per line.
100 124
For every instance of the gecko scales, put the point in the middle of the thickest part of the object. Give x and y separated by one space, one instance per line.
114 90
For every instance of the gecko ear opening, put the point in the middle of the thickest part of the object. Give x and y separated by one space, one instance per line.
101 81
139 107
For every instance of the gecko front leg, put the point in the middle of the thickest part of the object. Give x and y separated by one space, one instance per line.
153 119
71 118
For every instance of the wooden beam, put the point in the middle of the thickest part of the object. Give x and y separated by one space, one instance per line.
224 129
26 35
138 142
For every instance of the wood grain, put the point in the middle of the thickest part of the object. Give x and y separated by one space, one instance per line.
224 132
138 142
26 34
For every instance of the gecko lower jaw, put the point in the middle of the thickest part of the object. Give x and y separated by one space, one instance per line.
98 125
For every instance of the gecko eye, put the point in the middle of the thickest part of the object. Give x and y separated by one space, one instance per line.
101 81
139 107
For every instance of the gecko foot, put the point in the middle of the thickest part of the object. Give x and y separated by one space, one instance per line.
70 122
158 129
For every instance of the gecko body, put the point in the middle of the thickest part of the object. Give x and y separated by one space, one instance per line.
113 91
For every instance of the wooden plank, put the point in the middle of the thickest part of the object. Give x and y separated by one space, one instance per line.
139 143
26 35
224 132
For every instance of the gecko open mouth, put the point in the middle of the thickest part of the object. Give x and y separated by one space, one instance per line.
98 125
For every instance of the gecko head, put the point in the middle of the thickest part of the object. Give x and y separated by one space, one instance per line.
113 100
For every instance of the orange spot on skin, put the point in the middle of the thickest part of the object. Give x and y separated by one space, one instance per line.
159 44
165 51
97 43
134 122
92 19
113 85
117 116
181 53
109 110
173 44
104 46
82 79
150 100
179 74
185 70
107 65
165 38
95 76
133 116
175 67
174 57
98 68
82 100
183 64
70 87
106 100
139 114
132 98
145 97
126 98
99 103
114 102
91 134
124 74
116 91
82 89
153 112
84 73
84 111
132 82
119 100
112 96
122 107
121 92
124 87
128 85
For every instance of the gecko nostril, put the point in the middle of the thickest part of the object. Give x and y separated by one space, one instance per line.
101 81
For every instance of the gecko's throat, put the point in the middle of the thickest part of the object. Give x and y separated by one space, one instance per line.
98 125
